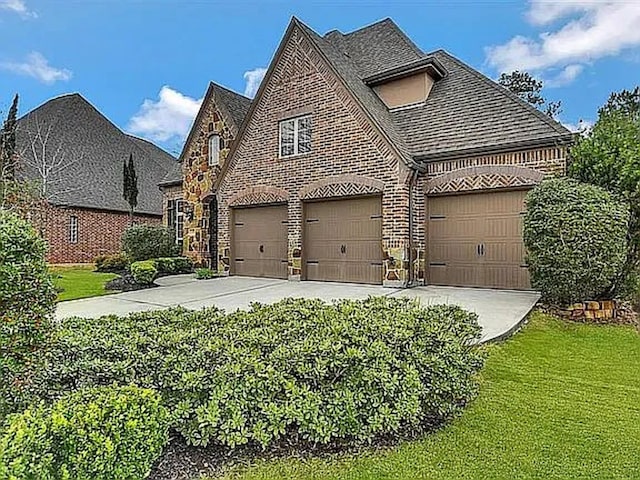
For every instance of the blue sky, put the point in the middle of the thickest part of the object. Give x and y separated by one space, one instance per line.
145 63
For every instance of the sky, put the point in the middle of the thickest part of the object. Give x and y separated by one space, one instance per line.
145 64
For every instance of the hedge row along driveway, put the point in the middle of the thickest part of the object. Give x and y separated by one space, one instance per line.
499 312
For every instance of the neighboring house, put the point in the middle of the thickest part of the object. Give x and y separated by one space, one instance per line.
76 157
363 159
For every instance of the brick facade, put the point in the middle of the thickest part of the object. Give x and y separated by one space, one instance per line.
99 233
343 143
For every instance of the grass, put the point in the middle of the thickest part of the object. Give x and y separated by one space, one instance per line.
80 282
558 401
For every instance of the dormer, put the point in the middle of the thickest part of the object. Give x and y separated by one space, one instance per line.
407 85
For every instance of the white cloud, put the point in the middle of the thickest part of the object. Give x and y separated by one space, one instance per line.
253 78
19 7
567 75
589 30
169 117
583 126
36 66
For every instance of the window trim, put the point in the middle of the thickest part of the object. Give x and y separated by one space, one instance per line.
73 229
179 220
296 136
210 162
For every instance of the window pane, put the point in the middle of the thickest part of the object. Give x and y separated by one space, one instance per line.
214 150
304 135
287 136
73 229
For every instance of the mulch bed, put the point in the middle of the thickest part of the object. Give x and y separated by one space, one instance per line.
126 283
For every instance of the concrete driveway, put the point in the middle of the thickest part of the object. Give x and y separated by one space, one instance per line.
500 312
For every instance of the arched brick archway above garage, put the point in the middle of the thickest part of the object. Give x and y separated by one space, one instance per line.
483 177
259 195
341 186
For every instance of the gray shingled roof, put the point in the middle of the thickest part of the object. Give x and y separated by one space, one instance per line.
237 105
376 48
230 102
92 151
465 111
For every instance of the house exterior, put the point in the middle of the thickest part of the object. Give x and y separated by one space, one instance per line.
75 155
363 159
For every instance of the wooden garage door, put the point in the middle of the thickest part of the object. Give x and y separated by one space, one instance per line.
343 240
260 241
476 240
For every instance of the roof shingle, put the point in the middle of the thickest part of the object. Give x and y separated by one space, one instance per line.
90 151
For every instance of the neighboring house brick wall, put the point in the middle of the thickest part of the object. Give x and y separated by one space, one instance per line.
486 172
199 178
343 143
99 233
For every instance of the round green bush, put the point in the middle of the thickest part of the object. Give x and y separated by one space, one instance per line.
27 302
300 370
144 242
112 263
144 272
95 434
576 240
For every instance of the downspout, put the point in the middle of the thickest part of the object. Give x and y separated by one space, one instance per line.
412 182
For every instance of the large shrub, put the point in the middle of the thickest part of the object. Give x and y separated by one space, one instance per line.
27 301
144 272
102 433
300 369
575 235
143 242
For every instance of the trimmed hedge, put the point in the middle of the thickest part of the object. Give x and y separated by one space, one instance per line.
96 434
143 242
299 369
576 240
173 265
27 302
112 263
144 272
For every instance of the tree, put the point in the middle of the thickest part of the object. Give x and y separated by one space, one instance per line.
626 101
130 186
609 156
8 147
529 89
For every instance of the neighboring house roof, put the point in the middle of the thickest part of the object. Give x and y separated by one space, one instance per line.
84 153
232 105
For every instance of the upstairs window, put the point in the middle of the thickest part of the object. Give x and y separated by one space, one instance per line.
214 150
73 229
295 136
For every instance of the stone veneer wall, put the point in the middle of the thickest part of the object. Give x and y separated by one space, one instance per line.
199 179
505 170
345 146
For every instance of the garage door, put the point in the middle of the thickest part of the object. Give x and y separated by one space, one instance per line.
260 241
343 240
476 240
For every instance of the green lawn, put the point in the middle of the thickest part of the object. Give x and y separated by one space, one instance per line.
80 282
558 401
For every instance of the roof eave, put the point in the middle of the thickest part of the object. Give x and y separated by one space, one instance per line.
429 65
